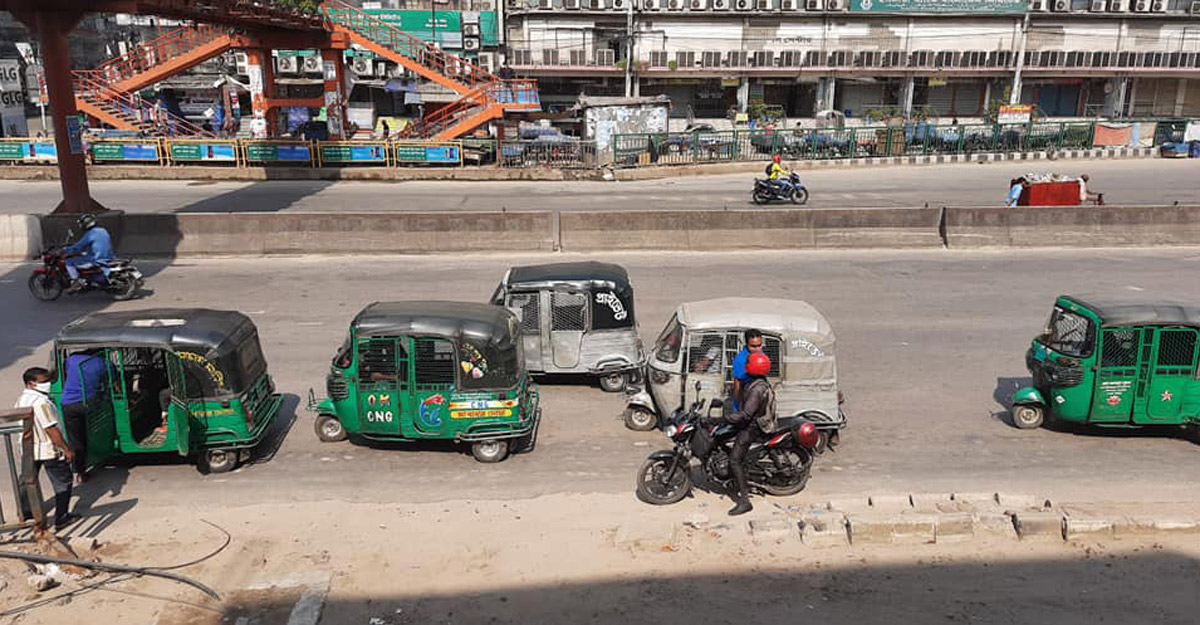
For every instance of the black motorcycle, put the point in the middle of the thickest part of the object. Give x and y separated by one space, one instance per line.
779 465
789 189
51 279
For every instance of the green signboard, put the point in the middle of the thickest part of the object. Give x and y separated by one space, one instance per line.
428 154
941 6
124 151
203 151
366 153
11 150
446 26
269 152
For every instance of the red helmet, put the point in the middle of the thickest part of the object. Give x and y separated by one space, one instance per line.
758 364
776 158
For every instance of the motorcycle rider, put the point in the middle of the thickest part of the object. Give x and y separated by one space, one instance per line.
754 418
777 174
93 248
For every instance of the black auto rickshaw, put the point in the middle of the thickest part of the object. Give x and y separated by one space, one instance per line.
192 381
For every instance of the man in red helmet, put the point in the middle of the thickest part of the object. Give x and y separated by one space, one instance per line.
755 417
776 172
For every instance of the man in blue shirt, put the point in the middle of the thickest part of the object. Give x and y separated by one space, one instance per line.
754 343
83 382
93 248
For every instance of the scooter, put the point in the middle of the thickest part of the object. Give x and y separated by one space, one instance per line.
789 189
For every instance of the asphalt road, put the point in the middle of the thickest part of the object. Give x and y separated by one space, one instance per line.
928 342
1123 181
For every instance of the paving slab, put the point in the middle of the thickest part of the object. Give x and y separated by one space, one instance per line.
829 529
1039 525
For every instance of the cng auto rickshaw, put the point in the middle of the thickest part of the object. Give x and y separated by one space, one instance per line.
412 371
1113 363
191 381
700 342
575 318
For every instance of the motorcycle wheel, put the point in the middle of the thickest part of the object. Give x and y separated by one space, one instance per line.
761 196
656 489
793 483
123 288
800 196
45 287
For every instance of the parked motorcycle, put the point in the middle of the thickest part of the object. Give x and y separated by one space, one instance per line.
51 279
779 465
789 189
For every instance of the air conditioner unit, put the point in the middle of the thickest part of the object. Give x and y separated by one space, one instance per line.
1118 6
1158 6
651 5
605 58
814 5
472 30
1039 5
621 5
721 5
312 64
287 64
1195 8
1098 6
1141 6
697 5
363 67
516 5
835 5
789 5
764 5
676 5
487 61
545 5
743 5
471 44
572 5
597 5
1061 6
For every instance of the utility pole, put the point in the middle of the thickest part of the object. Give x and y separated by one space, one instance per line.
629 50
1015 97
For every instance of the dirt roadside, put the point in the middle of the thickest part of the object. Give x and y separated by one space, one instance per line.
589 558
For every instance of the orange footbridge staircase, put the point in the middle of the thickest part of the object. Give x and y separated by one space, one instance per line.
108 93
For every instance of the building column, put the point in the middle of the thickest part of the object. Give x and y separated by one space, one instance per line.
1114 96
1180 97
906 95
261 69
826 93
52 28
1128 111
743 95
333 69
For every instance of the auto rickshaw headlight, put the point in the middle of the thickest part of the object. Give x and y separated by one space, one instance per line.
659 377
808 435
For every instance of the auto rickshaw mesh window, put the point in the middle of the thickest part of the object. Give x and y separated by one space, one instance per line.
528 307
568 311
381 360
1177 348
705 353
1069 333
435 361
771 347
1120 348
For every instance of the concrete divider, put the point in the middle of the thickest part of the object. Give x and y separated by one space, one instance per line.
20 237
701 230
1073 226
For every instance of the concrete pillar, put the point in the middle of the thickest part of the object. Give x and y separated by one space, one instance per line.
1180 97
743 95
261 69
53 28
333 69
1114 96
1132 99
906 95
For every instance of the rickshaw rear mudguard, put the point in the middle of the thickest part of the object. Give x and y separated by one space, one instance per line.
1028 396
320 406
227 439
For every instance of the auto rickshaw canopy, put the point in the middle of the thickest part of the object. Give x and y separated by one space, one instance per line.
1116 313
584 275
199 330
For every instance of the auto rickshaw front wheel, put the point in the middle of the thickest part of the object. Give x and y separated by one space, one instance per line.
1028 416
640 419
612 383
218 460
490 451
329 429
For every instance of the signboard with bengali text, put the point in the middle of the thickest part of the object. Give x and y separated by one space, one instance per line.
940 6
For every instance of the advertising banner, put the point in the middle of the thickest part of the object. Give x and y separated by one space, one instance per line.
345 153
445 26
1015 114
415 154
12 100
217 152
269 152
110 151
940 6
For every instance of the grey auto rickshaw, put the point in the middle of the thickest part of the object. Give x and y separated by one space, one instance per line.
700 342
575 318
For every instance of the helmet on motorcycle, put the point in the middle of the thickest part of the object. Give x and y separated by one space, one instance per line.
776 158
86 221
758 364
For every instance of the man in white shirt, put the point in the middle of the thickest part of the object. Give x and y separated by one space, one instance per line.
50 450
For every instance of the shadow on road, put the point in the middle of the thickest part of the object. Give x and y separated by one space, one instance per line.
260 197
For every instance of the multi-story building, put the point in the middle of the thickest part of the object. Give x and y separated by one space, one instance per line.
1118 58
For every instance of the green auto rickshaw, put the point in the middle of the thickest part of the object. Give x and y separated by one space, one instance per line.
412 371
1113 363
191 381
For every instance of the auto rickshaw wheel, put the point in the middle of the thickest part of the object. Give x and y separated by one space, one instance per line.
329 429
612 383
490 451
218 460
640 419
1028 416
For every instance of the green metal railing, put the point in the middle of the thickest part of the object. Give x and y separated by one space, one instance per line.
842 143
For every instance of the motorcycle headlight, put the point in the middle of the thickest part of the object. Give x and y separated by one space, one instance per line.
672 430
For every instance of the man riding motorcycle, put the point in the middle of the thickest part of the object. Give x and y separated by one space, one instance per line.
92 249
754 418
777 173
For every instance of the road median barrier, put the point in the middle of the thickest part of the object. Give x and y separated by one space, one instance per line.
20 237
1072 226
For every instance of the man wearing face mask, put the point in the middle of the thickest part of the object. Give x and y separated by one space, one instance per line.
50 450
